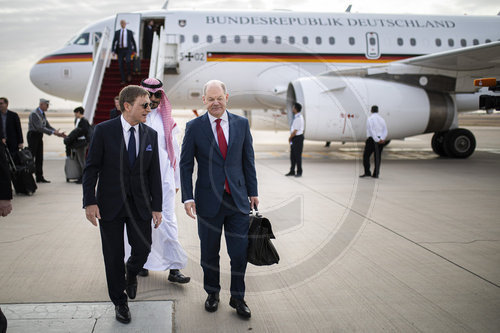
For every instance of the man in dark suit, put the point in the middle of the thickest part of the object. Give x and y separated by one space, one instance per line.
115 112
226 189
5 187
11 128
123 45
123 158
147 39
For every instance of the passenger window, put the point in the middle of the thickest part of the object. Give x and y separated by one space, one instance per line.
305 40
475 42
463 42
196 38
400 41
251 39
278 40
413 41
182 39
352 41
451 42
264 39
83 39
372 41
291 40
487 40
318 40
223 39
438 42
237 39
209 39
331 40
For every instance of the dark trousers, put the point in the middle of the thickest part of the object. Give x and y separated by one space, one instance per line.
236 226
296 153
35 144
139 238
372 147
124 54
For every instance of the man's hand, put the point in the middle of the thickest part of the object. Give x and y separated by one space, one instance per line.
190 208
157 219
254 203
92 212
5 207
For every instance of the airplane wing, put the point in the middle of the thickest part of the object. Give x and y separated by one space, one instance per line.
450 71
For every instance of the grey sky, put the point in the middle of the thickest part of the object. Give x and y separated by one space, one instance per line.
32 29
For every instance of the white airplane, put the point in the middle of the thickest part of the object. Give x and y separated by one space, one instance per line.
418 69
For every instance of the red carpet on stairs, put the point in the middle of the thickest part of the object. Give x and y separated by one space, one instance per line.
111 87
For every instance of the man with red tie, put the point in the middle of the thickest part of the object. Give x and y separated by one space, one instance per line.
123 45
226 189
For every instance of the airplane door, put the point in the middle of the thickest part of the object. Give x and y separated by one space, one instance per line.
133 23
372 45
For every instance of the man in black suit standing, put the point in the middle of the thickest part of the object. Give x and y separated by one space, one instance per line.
123 45
123 158
147 39
11 128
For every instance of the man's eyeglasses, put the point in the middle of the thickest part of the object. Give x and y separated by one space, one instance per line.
146 105
157 94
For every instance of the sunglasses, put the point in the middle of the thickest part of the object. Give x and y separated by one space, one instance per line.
156 94
146 105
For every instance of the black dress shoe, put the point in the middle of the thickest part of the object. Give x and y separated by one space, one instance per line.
131 285
290 174
143 272
363 176
42 180
212 302
176 276
298 175
122 313
241 307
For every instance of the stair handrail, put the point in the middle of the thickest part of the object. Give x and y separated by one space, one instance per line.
154 55
160 63
101 61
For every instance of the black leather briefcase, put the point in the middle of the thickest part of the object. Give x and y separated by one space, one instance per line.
261 251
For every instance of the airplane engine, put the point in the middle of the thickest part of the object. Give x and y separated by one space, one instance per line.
336 108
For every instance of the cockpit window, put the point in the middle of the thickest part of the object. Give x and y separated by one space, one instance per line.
83 39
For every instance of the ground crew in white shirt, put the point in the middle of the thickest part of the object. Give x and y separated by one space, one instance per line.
376 132
296 141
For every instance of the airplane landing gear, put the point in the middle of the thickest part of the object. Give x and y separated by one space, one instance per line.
456 143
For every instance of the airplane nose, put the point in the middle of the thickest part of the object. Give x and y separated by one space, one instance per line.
39 77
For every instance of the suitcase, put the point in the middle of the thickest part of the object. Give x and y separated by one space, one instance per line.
25 157
23 181
136 63
72 168
21 177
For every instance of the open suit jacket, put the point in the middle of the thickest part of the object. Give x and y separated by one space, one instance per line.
107 161
130 41
14 132
239 167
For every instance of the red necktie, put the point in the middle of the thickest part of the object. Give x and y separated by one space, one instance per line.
222 146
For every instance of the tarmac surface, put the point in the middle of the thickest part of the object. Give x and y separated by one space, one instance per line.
417 250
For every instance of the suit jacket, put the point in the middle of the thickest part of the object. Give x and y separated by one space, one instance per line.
130 41
38 123
239 166
81 130
14 132
114 113
5 187
107 162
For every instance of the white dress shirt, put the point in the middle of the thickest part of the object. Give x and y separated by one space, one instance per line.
297 124
224 124
124 33
126 134
376 127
